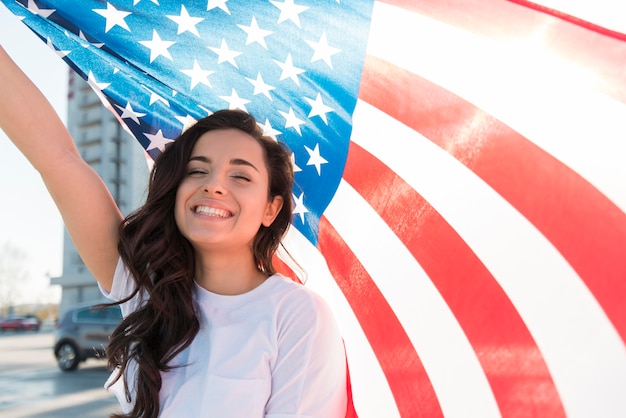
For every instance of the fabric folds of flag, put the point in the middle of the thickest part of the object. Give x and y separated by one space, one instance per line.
461 185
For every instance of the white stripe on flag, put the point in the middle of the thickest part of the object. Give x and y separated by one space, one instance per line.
559 112
583 351
448 358
371 393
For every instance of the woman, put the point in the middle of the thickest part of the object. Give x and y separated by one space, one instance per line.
209 328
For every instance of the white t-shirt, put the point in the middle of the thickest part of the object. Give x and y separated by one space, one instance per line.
272 352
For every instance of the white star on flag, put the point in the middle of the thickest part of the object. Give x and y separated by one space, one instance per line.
260 87
185 22
318 108
268 130
113 17
315 158
198 75
224 54
220 4
157 141
323 51
291 120
299 208
235 102
289 70
129 113
255 34
289 11
157 46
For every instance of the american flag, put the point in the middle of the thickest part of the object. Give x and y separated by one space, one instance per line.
460 169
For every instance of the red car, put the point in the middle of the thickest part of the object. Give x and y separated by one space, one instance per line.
20 323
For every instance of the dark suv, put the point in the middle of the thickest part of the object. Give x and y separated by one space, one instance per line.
83 333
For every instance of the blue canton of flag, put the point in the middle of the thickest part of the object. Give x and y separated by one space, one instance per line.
295 67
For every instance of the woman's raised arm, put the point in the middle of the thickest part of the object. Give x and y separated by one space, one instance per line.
89 212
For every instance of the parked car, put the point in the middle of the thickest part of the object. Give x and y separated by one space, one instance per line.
83 333
20 323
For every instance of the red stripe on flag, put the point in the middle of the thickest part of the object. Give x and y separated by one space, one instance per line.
403 369
582 223
512 362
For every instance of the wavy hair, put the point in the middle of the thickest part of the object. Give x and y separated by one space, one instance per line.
161 260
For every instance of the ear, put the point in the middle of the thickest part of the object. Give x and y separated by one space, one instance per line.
272 210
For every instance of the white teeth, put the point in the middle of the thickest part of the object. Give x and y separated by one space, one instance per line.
205 210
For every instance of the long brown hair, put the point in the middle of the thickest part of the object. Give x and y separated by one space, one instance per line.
161 260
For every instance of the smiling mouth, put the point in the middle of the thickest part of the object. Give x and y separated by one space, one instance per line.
209 211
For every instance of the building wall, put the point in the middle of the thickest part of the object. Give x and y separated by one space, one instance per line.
119 160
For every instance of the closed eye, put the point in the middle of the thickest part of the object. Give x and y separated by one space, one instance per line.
196 172
241 177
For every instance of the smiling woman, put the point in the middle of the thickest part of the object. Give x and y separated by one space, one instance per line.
250 332
29 221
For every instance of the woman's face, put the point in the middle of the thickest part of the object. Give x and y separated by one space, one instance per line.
223 198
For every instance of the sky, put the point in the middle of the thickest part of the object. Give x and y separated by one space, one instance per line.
29 220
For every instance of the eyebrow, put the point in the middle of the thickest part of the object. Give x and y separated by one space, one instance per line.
234 161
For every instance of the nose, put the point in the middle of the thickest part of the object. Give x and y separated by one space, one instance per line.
214 185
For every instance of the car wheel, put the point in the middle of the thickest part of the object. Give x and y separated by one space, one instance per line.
67 357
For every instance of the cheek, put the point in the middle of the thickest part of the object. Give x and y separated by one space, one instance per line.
179 209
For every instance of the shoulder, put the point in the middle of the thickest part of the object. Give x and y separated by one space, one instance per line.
300 307
292 295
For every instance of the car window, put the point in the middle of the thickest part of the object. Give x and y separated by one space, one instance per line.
89 315
112 314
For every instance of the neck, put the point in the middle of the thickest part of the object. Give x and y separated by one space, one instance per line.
227 274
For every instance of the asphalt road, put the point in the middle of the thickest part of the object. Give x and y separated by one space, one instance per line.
31 384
